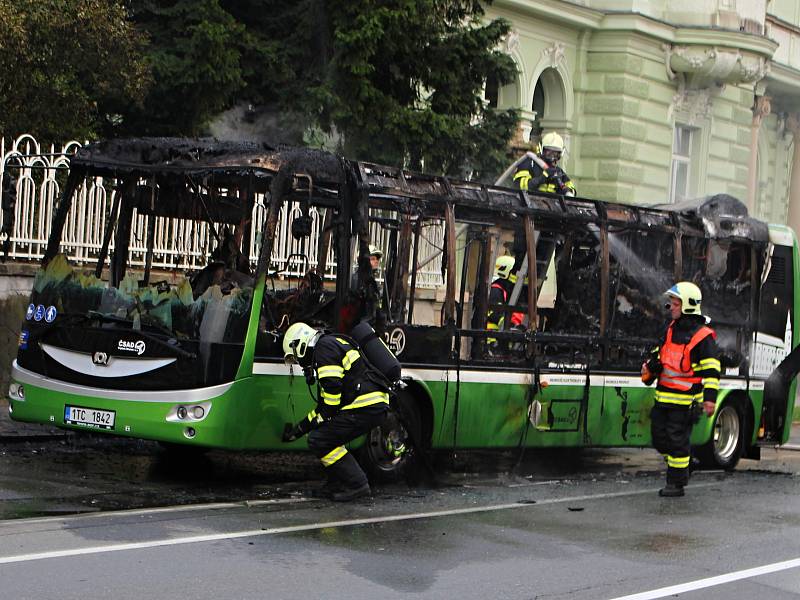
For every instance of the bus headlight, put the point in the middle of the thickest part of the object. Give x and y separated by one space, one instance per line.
16 391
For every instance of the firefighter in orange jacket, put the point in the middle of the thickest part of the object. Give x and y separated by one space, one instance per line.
688 369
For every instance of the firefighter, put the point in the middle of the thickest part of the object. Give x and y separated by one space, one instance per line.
375 256
500 293
350 403
541 172
688 368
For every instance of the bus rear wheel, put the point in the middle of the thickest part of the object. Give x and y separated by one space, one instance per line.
391 451
726 445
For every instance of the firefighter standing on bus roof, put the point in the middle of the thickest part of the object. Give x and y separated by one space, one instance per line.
500 293
350 404
541 171
688 368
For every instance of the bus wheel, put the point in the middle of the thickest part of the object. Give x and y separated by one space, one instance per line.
725 447
390 453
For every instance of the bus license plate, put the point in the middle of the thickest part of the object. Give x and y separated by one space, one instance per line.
89 417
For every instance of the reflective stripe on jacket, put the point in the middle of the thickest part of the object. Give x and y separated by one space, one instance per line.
342 377
681 381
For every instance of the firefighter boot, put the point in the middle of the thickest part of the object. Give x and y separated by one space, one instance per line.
351 493
671 490
327 490
351 479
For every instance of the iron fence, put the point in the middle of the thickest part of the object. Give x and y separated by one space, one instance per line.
40 174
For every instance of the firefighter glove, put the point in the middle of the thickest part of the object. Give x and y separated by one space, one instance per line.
655 366
311 377
292 433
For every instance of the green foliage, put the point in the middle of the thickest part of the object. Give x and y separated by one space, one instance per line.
67 67
397 81
404 85
195 52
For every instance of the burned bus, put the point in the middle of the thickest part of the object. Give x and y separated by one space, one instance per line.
132 348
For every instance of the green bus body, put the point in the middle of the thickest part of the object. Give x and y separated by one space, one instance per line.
461 403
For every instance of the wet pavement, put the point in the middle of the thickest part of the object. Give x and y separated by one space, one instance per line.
97 512
48 471
597 531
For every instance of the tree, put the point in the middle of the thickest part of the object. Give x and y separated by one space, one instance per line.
68 67
195 52
399 81
405 84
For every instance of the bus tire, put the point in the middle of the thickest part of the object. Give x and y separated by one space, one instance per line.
390 453
726 445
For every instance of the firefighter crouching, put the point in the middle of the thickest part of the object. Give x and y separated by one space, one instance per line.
688 368
350 404
500 293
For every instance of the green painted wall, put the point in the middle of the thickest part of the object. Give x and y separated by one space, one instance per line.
618 104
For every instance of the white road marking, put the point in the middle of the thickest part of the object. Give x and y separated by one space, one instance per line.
155 510
713 581
323 525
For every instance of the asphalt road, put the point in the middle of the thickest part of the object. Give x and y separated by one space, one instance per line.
559 525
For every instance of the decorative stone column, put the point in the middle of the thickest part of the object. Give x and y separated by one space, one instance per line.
522 137
761 109
793 219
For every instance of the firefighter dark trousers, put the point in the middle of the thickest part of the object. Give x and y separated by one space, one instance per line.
327 443
671 428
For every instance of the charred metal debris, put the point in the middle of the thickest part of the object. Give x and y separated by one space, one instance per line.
590 274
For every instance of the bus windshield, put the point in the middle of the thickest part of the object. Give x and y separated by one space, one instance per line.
180 311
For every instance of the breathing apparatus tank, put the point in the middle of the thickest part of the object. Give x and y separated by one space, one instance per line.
377 352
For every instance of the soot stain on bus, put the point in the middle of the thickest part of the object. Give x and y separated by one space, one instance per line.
181 343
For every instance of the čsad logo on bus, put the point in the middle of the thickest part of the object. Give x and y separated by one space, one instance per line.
397 341
127 346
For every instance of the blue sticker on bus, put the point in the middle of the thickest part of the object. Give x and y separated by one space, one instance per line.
23 339
50 314
30 311
39 314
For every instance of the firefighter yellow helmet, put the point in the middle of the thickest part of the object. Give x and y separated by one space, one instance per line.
375 251
503 266
297 340
689 295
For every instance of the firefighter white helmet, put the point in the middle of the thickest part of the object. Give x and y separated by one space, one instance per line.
689 295
552 141
503 266
375 251
297 340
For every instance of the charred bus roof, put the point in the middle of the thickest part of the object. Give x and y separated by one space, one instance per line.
718 217
201 157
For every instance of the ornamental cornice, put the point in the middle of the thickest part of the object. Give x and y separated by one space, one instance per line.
704 65
555 10
583 18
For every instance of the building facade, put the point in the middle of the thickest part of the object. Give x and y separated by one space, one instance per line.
660 100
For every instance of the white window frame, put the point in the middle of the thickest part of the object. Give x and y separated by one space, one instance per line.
681 159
